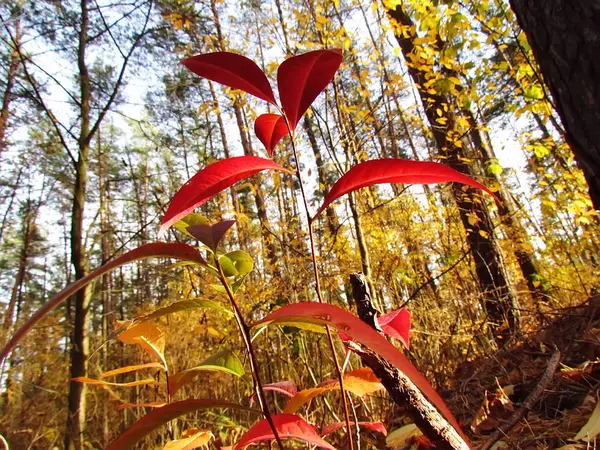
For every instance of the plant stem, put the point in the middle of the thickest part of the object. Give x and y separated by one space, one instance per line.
318 285
245 331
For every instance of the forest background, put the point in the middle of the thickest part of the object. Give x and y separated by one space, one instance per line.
100 126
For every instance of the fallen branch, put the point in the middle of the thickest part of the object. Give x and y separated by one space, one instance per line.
401 389
529 402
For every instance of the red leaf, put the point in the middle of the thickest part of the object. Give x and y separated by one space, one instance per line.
379 171
284 387
270 129
375 426
210 235
162 415
396 324
155 249
233 70
210 181
323 314
301 78
287 426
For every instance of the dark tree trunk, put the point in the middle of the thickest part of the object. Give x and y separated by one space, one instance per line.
498 298
81 300
565 39
8 90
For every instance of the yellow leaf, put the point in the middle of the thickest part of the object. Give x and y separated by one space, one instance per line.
127 369
472 218
108 383
123 406
146 335
191 438
592 427
359 381
400 438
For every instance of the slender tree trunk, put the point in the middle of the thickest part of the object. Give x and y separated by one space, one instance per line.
28 224
515 231
106 282
8 90
499 300
565 39
74 436
232 192
332 219
247 147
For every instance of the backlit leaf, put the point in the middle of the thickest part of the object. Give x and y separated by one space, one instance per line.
154 249
287 426
270 129
190 439
302 78
360 382
375 426
190 219
127 369
224 361
329 315
390 170
123 406
233 70
183 305
86 380
210 235
242 261
397 325
399 438
165 414
284 387
591 429
303 397
211 180
146 335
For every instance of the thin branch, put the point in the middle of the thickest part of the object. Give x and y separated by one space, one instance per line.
38 95
529 402
119 81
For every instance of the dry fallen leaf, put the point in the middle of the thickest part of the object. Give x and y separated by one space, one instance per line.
496 407
592 427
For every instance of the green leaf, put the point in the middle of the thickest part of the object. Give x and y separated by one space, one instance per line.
234 286
189 220
229 269
224 361
242 261
495 169
183 305
163 415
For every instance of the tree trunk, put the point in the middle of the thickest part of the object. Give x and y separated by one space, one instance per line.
8 90
565 39
498 298
332 218
81 300
232 192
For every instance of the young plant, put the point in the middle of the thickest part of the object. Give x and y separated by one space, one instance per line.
300 80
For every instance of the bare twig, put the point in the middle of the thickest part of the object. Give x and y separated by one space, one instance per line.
531 400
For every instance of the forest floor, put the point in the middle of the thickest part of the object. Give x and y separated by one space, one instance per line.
511 374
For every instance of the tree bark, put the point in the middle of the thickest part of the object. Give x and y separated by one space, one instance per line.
498 298
8 90
565 38
332 218
80 338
